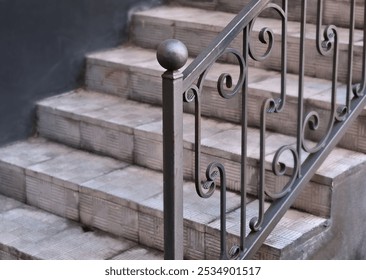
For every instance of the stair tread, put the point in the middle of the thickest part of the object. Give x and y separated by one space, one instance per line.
30 233
134 187
216 20
219 138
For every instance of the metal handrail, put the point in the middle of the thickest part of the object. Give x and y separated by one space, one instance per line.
172 55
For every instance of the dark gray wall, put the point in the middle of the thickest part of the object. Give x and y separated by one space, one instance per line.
42 48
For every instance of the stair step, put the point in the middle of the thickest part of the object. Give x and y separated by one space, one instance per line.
30 233
134 73
197 28
334 10
116 198
131 131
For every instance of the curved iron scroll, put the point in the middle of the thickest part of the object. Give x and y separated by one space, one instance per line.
224 84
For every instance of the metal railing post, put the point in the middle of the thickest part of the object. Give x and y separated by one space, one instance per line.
172 55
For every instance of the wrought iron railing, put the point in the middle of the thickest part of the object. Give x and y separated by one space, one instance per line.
188 84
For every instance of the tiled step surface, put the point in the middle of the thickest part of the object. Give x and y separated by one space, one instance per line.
30 233
117 198
131 131
134 73
198 27
335 11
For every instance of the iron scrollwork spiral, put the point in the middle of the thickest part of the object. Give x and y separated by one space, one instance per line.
278 168
327 42
226 89
266 36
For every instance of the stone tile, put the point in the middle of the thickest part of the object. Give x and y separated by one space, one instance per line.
30 233
54 185
59 128
312 86
7 204
124 115
22 228
12 181
106 141
128 187
111 202
16 157
127 59
140 253
109 216
75 244
74 168
106 79
340 163
52 197
188 17
76 102
35 150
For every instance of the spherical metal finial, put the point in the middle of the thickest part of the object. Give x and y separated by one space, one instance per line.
172 54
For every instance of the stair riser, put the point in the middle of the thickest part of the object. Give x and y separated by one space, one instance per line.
333 9
106 79
109 142
61 199
122 81
109 216
11 176
146 150
147 88
149 33
152 234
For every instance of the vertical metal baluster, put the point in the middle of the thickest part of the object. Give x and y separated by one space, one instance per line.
350 56
283 58
197 141
172 55
300 113
363 83
244 136
223 234
256 223
360 88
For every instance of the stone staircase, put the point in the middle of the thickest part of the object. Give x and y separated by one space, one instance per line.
89 184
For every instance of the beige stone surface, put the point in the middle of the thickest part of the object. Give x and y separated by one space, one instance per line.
30 233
